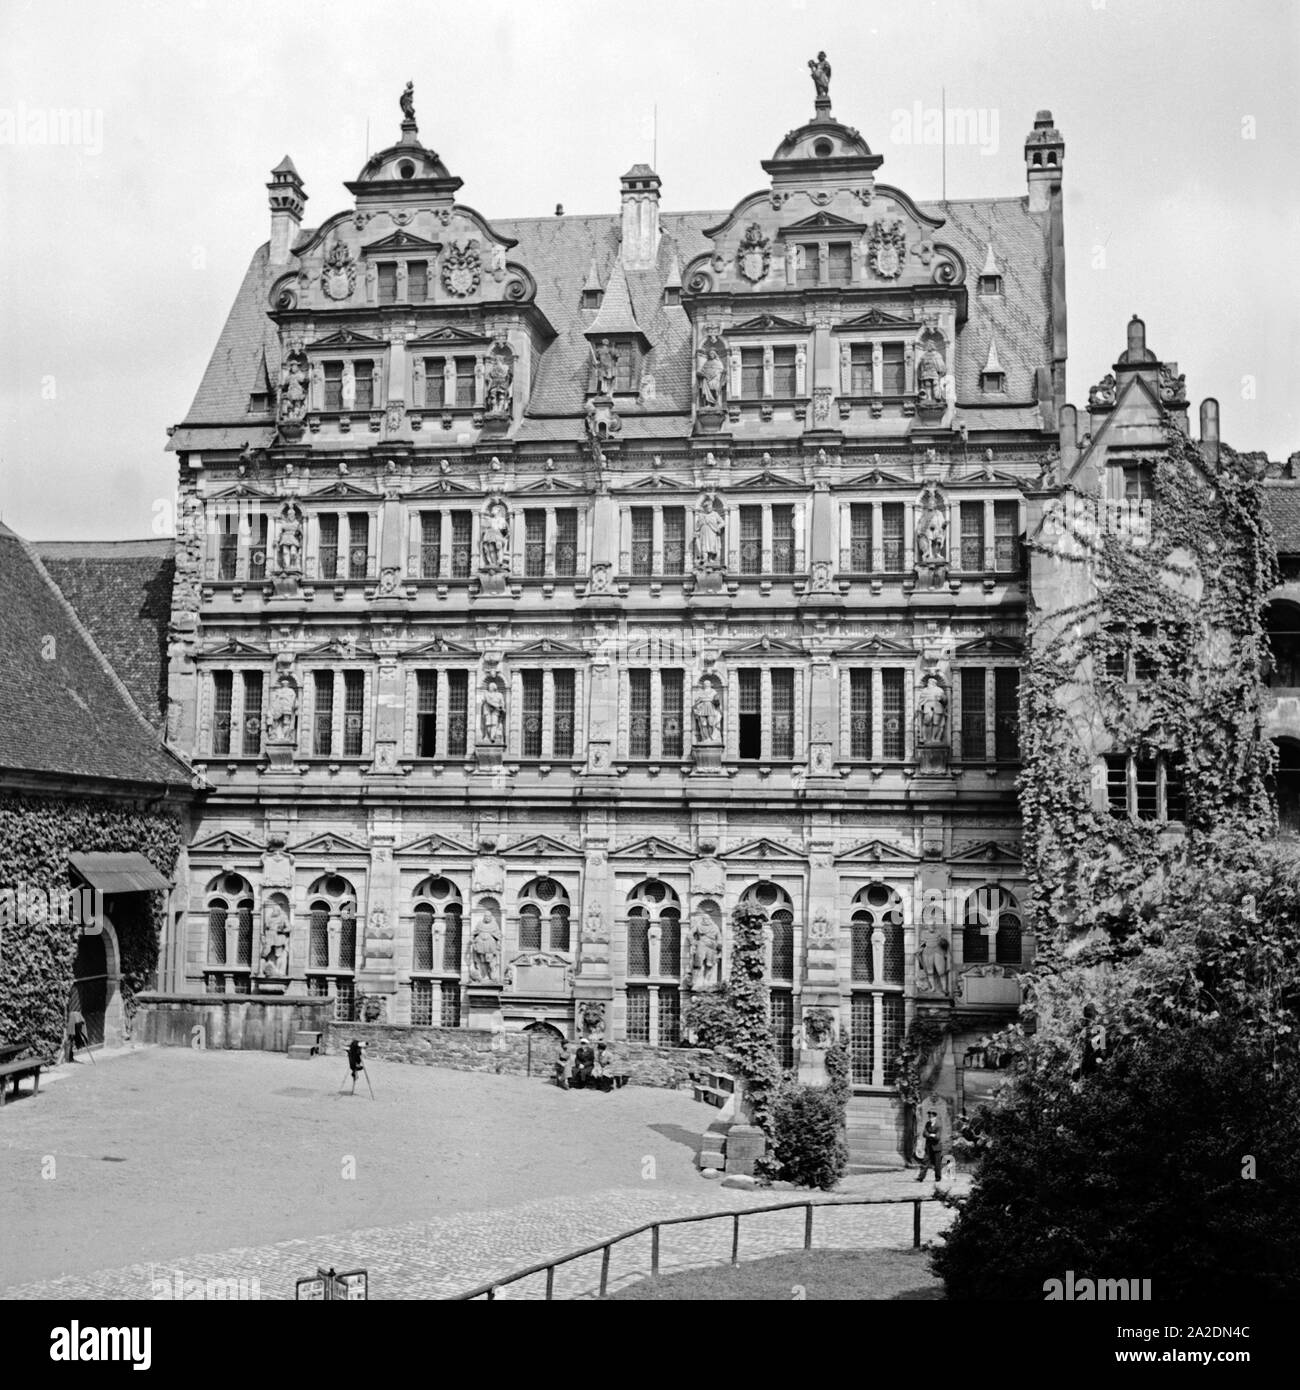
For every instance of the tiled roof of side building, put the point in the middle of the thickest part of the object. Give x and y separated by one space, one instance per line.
122 591
63 712
1282 508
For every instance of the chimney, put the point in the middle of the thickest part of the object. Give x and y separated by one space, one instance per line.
287 203
1210 430
640 186
1044 156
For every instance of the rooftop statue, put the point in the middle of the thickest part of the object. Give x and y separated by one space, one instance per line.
407 101
821 76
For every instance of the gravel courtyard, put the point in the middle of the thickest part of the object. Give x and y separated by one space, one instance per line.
164 1156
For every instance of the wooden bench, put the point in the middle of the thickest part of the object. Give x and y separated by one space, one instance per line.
8 1051
26 1066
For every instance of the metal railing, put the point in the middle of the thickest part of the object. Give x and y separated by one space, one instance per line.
604 1247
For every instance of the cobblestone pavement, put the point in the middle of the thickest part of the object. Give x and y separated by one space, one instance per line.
214 1146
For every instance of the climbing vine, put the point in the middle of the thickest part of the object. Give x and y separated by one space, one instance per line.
751 1047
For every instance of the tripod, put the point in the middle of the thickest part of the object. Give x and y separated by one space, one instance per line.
356 1063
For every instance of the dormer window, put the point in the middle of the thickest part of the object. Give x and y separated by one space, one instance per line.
783 373
993 382
990 285
387 282
1139 482
860 369
417 281
751 373
333 385
840 262
806 259
616 359
591 298
893 369
672 296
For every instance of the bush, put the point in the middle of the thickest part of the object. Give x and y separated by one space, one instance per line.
1139 1170
808 1136
710 1019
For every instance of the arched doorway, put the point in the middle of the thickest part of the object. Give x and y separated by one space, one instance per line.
95 990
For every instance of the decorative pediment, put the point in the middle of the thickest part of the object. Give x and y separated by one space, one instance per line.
242 489
228 842
767 646
762 850
878 646
878 478
440 646
540 846
435 847
821 222
551 958
347 337
768 323
329 845
984 476
990 646
443 337
550 483
654 483
236 646
443 487
346 647
401 241
769 479
343 488
987 852
878 852
875 318
651 847
546 646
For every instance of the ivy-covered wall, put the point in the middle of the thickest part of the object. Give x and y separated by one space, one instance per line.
37 834
1180 619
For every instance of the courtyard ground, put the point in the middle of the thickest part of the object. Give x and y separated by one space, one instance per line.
166 1161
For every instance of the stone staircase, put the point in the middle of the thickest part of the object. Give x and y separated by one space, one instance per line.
305 1045
874 1134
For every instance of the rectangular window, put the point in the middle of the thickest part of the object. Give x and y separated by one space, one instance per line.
859 714
674 540
387 282
638 1014
643 533
534 543
749 727
530 727
462 529
257 548
840 262
1144 662
638 729
457 713
860 538
783 372
782 929
566 542
808 264
1006 713
891 540
365 378
893 1016
670 1017
972 536
860 378
435 383
783 714
421 1002
625 370
973 745
228 547
893 727
329 546
323 713
893 369
1117 784
449 1004
358 544
1006 537
1146 777
430 545
417 281
252 730
751 540
465 381
354 691
671 714
751 373
1175 788
562 727
426 714
334 386
782 1006
223 690
782 540
1139 482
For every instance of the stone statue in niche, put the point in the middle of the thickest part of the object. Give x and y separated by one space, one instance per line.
821 76
712 378
606 358
706 951
485 949
282 712
706 713
930 370
932 710
492 713
933 965
932 534
288 539
500 379
275 940
407 102
293 388
710 525
494 536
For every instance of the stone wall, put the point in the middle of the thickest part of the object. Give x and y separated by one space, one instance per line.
478 1049
250 1022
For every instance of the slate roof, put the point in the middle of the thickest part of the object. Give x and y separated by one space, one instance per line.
62 709
122 591
1282 508
562 253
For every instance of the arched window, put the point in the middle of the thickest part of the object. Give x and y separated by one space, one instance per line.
654 903
227 894
331 896
543 899
991 906
774 905
438 902
877 905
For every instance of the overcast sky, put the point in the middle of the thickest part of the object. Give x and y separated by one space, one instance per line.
121 250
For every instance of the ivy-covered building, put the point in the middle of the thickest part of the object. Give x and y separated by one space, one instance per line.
93 807
549 586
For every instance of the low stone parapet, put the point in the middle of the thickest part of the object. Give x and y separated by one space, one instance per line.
243 1022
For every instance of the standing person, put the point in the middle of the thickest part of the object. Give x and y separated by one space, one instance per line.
562 1066
932 1138
584 1063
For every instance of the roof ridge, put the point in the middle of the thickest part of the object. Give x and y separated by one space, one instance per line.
84 633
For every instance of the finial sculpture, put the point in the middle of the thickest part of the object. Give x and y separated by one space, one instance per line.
821 76
407 102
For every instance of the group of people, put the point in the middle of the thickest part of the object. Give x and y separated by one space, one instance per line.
929 1142
590 1066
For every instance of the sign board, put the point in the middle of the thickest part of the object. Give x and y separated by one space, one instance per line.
353 1285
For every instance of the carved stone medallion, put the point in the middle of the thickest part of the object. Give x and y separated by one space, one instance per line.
462 269
887 247
754 254
339 278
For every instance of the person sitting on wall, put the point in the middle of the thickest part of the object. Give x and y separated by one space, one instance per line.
562 1065
584 1063
611 1077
